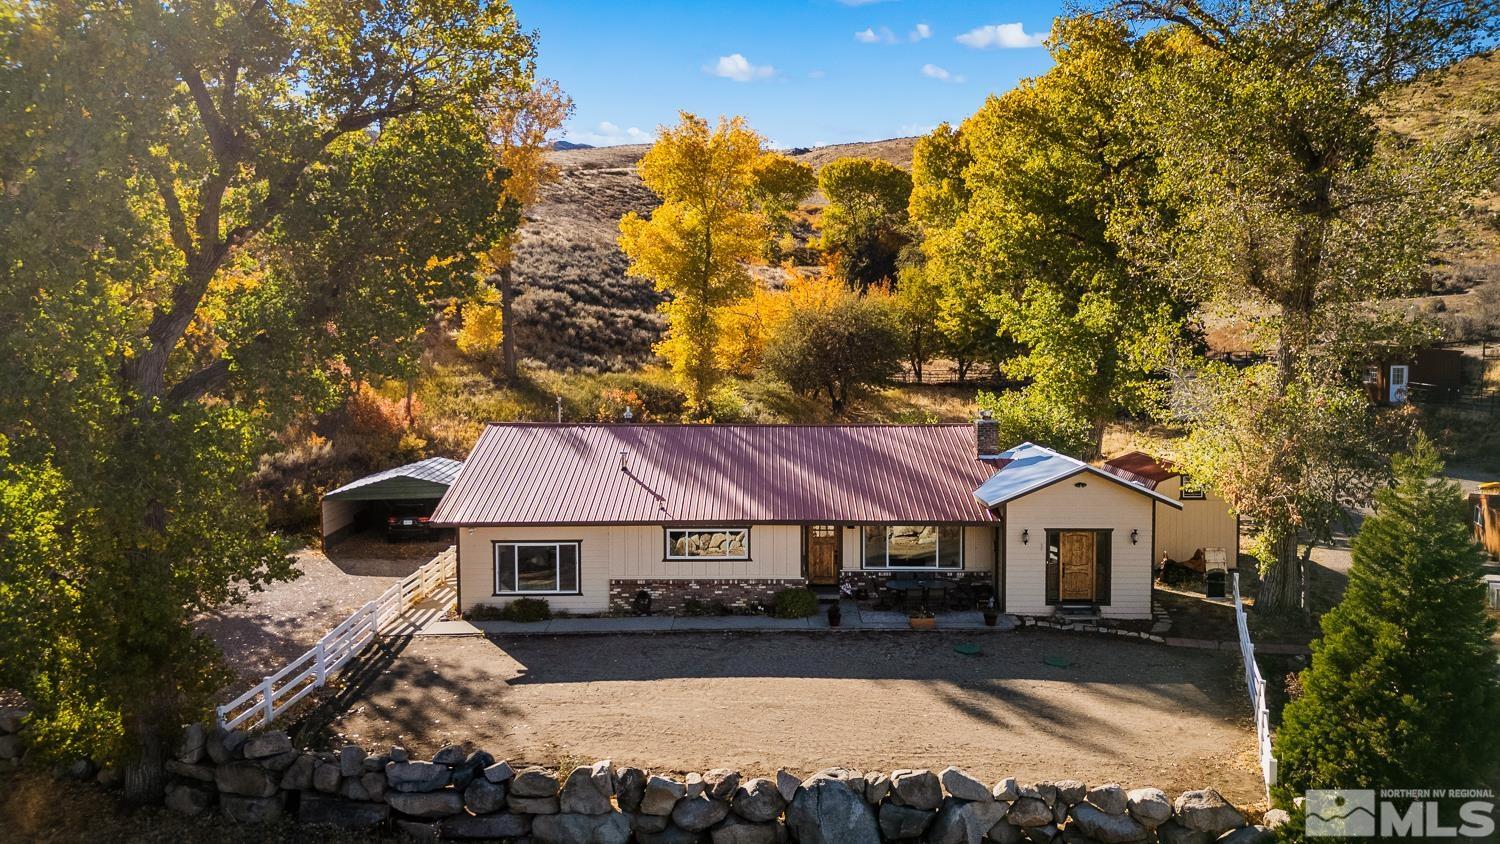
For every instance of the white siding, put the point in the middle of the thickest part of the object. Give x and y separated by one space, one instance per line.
1208 523
1099 505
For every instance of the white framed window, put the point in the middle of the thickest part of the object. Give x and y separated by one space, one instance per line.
536 568
1191 493
913 547
710 543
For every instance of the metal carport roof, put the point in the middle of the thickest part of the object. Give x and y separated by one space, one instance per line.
428 478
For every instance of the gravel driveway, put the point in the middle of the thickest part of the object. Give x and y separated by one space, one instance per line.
1137 713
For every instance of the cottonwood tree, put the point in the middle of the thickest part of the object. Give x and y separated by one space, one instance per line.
1288 200
864 227
779 185
697 244
836 348
210 215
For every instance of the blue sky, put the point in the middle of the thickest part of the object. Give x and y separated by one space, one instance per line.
804 72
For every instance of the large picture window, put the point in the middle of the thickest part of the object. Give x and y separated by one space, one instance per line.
714 543
914 547
536 568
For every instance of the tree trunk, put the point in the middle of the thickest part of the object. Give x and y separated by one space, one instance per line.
144 774
1281 587
507 336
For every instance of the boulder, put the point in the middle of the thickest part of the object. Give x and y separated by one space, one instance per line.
580 794
877 786
269 743
721 783
1041 834
318 810
531 805
1070 791
245 779
413 830
613 828
326 777
695 785
1028 812
1109 799
416 776
352 760
426 804
1005 789
1149 806
201 773
827 811
12 747
451 755
1004 832
630 788
696 814
902 822
190 748
787 783
250 809
234 742
1043 791
374 785
661 795
758 801
964 787
189 799
350 788
1106 827
214 745
737 830
11 719
399 754
649 823
280 762
502 825
375 764
1206 810
917 789
962 822
1276 818
603 774
1249 835
1173 832
499 772
534 782
670 835
483 797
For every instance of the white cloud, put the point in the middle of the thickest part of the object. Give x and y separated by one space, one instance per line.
609 134
922 31
869 35
934 72
739 68
816 74
1011 35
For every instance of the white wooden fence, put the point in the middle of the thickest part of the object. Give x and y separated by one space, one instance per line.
1257 685
280 691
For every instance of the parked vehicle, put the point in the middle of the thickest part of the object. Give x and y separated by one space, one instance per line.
408 523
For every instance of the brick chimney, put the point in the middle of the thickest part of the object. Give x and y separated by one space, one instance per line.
987 435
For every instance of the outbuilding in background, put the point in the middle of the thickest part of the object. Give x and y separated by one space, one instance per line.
412 491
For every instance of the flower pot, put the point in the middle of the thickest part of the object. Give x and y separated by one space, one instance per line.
922 623
834 615
990 617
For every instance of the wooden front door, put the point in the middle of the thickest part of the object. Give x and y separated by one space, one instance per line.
823 555
1075 562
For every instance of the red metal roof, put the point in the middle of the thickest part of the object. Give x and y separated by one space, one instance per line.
1141 467
523 473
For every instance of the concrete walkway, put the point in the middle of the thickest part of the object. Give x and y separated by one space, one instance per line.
854 618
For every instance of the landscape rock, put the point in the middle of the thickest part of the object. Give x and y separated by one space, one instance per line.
250 809
245 779
630 788
352 760
345 814
581 795
877 786
485 826
1043 791
374 785
1041 834
1109 799
350 788
649 823
695 785
613 828
1006 790
280 762
269 743
12 747
375 764
827 811
603 774
399 754
1004 832
201 773
1248 835
918 789
531 805
451 755
1070 791
1029 812
214 745
1276 818
899 822
962 822
661 795
426 804
326 777
737 830
696 814
787 783
190 748
1173 832
534 782
1206 810
1150 806
721 783
670 835
416 776
188 799
964 787
499 772
1107 827
483 797
758 801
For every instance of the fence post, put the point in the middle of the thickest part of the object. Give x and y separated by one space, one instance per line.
320 660
270 702
219 718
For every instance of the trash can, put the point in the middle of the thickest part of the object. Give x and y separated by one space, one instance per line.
1213 583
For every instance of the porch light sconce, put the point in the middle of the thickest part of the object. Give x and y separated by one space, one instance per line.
1135 537
1025 536
1080 484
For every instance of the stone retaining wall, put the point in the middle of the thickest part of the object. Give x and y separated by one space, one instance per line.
668 596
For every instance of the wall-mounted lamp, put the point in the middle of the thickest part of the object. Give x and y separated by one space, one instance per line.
1080 484
1135 537
1025 536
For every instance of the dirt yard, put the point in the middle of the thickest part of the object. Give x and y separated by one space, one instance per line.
1137 713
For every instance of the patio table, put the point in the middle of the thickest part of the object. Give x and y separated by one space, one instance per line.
904 585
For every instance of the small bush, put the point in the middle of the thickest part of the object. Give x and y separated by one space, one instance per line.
795 603
521 609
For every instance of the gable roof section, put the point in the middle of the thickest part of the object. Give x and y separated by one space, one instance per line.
428 478
540 474
1029 467
1140 467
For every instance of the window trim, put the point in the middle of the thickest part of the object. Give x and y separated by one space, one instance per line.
962 550
666 543
542 543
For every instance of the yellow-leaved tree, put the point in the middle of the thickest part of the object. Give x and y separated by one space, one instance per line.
696 246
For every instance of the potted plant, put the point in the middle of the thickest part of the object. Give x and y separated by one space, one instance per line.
991 615
834 614
921 619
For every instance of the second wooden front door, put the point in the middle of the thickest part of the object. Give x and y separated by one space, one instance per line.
822 555
1075 562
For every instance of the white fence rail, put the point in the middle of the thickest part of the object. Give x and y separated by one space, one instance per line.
280 691
1257 685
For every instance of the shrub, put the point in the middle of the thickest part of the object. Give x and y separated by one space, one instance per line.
795 603
853 343
526 610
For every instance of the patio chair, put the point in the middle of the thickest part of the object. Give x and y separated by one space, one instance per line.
961 597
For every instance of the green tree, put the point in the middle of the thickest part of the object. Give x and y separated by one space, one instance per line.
1028 415
697 243
779 185
851 343
1402 690
864 226
210 216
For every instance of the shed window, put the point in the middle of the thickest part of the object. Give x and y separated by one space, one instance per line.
913 547
536 568
715 543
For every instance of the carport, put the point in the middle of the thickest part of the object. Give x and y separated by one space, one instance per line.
364 503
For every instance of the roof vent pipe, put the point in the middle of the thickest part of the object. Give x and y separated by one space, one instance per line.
987 436
624 460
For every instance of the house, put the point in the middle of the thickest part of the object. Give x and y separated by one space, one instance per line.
1486 504
589 515
412 490
1206 522
1389 378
